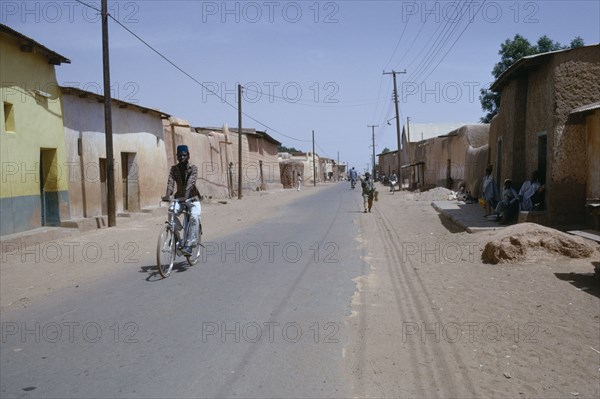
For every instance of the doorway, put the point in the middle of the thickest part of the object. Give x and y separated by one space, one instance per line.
49 208
130 182
103 186
499 161
542 154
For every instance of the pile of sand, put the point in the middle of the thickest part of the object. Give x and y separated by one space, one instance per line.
435 194
530 241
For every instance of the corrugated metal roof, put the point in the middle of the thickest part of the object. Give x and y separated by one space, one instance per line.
586 108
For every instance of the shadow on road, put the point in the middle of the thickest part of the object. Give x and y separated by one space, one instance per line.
450 225
586 282
154 275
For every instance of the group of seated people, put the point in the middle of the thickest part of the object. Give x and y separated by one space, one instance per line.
529 198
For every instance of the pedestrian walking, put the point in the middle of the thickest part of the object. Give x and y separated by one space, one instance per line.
368 192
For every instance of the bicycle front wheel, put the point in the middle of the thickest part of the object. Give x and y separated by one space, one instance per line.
195 256
165 251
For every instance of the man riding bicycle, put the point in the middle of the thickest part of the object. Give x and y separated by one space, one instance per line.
185 175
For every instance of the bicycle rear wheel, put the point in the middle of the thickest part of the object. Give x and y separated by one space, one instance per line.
165 251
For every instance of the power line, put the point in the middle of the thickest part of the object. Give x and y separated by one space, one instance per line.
191 77
436 49
453 44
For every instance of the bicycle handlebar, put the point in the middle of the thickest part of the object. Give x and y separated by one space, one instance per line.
180 200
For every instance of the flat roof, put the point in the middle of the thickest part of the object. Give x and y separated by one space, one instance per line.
122 104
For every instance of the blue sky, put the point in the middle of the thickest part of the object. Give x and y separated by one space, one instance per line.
306 64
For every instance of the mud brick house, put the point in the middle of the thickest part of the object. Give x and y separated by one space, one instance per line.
289 169
140 157
210 150
533 129
459 156
260 164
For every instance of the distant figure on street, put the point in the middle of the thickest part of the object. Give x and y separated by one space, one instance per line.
353 175
509 206
393 181
490 191
531 193
368 192
298 181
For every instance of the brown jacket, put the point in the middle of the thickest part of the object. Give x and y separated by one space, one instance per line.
185 182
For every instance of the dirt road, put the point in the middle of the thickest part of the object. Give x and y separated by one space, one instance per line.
431 320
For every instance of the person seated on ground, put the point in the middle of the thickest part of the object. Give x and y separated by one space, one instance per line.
490 191
508 207
462 194
531 195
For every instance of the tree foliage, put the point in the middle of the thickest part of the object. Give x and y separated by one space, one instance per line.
291 150
510 52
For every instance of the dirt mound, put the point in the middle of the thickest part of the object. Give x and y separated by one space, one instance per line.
530 241
435 194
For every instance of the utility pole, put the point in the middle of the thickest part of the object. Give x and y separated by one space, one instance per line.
110 162
338 168
408 143
393 73
373 138
240 142
314 164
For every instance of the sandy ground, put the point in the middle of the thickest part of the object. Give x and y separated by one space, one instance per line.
432 320
71 262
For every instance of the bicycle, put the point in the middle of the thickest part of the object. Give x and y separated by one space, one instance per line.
170 243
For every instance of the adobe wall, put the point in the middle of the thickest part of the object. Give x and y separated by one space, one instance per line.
289 169
593 155
462 148
539 121
253 153
502 128
133 132
577 83
207 152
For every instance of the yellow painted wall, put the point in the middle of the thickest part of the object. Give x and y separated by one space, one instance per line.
38 122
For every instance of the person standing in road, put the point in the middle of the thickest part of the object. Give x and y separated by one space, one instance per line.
393 181
298 181
184 175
